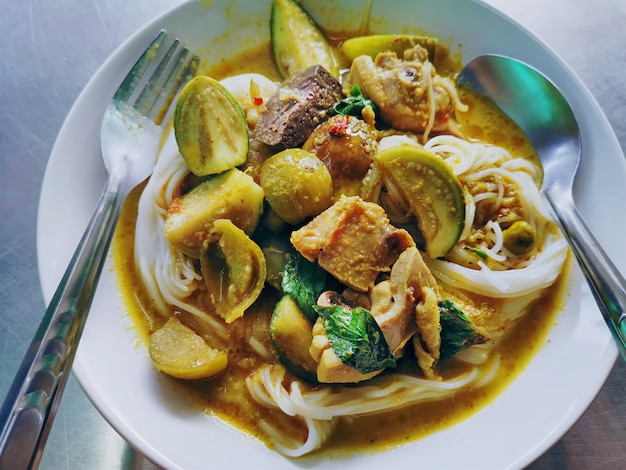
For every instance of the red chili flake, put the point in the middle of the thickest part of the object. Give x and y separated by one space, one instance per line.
442 116
201 237
340 125
396 39
258 100
175 207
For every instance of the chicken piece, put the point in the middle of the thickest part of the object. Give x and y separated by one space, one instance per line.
347 146
403 305
408 92
348 298
330 369
395 314
352 240
393 303
427 308
427 316
408 304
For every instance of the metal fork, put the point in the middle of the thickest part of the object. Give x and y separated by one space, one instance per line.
130 136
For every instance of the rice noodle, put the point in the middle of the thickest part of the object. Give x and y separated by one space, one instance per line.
503 284
168 275
320 407
383 393
427 73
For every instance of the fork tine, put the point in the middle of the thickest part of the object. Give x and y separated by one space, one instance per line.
125 90
180 75
148 95
168 66
174 70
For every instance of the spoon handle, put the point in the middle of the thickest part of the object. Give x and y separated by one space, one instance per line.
606 282
31 403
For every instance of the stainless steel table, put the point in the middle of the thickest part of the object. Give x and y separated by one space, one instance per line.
51 48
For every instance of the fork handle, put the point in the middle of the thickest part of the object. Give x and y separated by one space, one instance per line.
33 398
607 284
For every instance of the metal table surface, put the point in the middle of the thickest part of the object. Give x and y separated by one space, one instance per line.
49 51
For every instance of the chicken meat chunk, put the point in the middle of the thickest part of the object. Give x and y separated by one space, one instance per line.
405 306
409 93
353 241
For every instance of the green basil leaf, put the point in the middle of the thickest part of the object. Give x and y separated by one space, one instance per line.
304 282
457 331
478 252
354 104
356 338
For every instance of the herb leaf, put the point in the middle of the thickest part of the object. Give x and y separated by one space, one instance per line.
304 282
457 331
478 252
353 105
356 338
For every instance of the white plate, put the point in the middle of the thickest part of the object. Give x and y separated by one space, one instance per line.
532 413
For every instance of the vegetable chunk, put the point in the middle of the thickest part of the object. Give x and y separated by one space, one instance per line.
297 184
233 268
210 127
297 41
291 334
432 191
347 146
379 43
178 351
231 195
519 238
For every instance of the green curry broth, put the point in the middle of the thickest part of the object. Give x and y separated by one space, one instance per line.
226 395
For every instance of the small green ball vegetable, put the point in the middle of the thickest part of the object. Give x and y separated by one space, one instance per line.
297 185
519 238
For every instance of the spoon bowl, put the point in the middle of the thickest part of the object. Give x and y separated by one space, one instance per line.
535 104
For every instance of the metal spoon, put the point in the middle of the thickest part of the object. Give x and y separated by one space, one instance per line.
541 111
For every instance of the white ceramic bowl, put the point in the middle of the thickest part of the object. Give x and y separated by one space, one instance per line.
531 414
